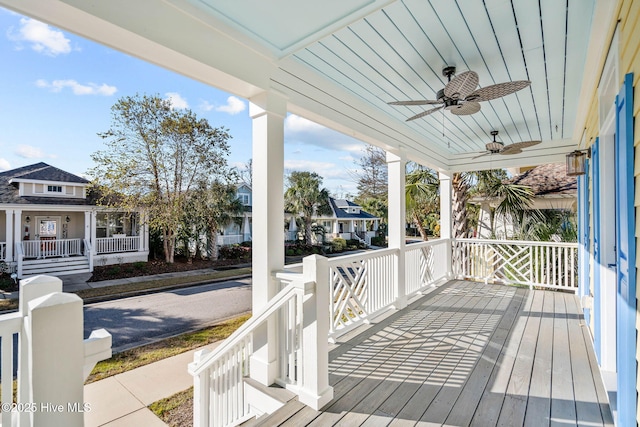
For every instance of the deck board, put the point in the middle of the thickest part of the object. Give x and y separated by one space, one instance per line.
467 354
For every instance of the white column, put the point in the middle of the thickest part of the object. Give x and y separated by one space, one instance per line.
93 233
336 228
17 228
397 219
141 231
87 225
316 391
268 112
351 226
9 235
446 217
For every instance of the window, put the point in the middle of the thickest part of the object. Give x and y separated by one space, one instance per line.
54 189
108 224
244 199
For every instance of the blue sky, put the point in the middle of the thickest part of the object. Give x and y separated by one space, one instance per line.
57 89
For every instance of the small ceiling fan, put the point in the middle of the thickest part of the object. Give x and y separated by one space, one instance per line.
460 95
497 147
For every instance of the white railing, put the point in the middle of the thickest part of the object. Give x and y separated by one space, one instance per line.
110 245
230 239
219 397
541 264
51 248
361 286
3 251
52 359
426 264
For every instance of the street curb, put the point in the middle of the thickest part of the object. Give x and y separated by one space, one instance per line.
161 289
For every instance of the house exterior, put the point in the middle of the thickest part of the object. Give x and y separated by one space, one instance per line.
348 221
52 226
238 231
341 65
551 187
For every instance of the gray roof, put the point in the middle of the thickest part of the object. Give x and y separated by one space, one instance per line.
547 180
41 172
342 214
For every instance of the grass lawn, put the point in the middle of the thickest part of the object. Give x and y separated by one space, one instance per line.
140 356
176 410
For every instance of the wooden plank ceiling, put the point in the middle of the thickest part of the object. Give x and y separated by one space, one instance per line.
340 63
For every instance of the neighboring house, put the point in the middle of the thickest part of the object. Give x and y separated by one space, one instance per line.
240 230
552 189
347 221
50 226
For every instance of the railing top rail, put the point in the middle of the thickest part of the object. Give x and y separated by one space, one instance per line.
417 245
10 323
361 255
240 334
518 242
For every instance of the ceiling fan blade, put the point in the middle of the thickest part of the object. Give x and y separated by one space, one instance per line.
497 91
420 102
465 108
424 113
462 85
510 149
481 155
524 144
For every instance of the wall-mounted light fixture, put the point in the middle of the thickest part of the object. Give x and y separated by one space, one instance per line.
577 162
27 219
67 219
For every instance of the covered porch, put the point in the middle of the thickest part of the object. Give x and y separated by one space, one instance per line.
465 353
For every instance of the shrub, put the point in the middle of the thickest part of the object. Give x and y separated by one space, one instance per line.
234 252
378 241
246 244
338 244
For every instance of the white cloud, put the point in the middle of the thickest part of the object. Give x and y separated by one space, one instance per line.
177 101
30 152
4 164
303 131
42 38
77 88
326 170
234 106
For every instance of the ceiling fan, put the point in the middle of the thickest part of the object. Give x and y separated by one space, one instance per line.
497 147
460 95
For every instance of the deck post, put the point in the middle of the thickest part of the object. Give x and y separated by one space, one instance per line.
8 257
445 218
268 111
397 220
316 391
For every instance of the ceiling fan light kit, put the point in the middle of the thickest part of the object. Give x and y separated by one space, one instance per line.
460 95
497 147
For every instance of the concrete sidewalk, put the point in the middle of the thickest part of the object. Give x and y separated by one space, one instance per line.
122 400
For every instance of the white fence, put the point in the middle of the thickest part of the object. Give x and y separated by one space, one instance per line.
232 239
109 245
361 285
541 264
426 263
52 358
51 248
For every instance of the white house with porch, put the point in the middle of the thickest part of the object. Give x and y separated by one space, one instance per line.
51 226
502 356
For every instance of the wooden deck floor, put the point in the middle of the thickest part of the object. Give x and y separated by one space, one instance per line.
466 354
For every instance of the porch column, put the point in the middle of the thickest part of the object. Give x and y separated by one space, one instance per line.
351 226
9 235
142 225
87 226
268 112
336 227
446 217
93 233
397 219
17 228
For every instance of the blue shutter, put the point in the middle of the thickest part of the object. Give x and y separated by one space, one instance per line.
625 254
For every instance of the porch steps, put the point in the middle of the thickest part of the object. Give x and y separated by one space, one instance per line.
56 266
270 399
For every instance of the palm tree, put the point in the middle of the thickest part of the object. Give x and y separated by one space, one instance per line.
421 195
214 205
305 197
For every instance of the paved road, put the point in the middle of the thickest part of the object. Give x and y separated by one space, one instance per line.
139 320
